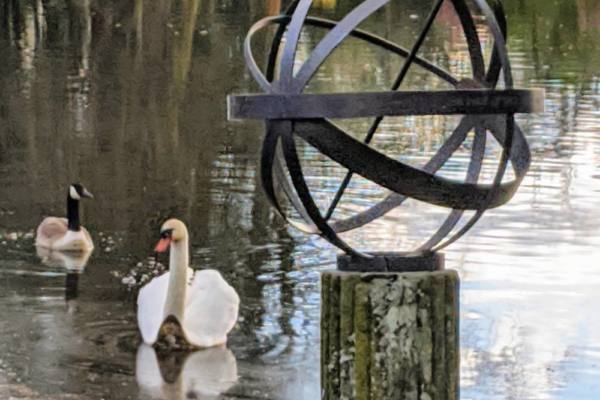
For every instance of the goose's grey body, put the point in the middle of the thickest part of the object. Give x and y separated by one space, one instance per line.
54 234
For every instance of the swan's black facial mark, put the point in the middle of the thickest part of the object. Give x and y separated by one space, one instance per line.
166 234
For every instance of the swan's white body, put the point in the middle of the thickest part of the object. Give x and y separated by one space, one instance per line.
203 303
54 234
209 313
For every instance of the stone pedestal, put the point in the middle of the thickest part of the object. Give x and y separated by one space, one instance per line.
392 262
389 335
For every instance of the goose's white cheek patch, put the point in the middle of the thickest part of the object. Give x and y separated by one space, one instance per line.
73 193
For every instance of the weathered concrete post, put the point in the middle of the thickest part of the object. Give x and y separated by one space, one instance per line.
390 335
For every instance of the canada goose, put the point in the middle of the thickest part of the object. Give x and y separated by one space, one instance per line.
66 234
186 308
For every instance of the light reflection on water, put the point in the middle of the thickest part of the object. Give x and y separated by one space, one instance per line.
130 99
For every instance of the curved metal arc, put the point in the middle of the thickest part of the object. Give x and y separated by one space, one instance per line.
472 38
495 66
271 157
473 171
266 168
394 175
491 78
520 161
267 162
520 153
372 39
394 200
306 226
387 45
461 232
333 39
249 57
270 71
397 82
417 45
286 65
293 164
475 217
499 41
496 187
498 55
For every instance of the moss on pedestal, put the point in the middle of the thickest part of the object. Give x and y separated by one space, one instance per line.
390 335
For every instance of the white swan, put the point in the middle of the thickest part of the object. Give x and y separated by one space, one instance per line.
66 234
200 308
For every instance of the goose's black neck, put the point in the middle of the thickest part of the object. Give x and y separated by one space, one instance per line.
73 214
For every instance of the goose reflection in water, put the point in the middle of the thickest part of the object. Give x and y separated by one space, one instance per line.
72 262
203 374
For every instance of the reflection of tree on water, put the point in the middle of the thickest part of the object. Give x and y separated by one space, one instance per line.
325 4
149 97
588 13
78 82
273 7
561 39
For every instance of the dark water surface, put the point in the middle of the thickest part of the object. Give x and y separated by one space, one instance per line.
129 98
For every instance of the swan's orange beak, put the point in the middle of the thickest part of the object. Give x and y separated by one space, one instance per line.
162 245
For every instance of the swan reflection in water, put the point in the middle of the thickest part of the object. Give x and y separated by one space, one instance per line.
72 262
203 374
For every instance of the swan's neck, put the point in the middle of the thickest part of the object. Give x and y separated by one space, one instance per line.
178 265
73 214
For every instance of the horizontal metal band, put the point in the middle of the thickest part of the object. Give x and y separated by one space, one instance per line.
374 104
399 177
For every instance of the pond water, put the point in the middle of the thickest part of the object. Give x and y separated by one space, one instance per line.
129 98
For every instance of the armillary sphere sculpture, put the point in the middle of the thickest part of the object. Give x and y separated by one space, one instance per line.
289 113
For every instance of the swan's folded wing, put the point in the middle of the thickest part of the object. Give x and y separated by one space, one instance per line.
211 310
151 303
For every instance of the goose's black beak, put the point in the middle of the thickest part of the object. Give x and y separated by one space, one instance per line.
87 194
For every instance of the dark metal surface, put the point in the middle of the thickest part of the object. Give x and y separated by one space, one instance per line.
357 105
290 114
392 262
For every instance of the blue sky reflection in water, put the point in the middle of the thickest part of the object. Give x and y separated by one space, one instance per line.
129 98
